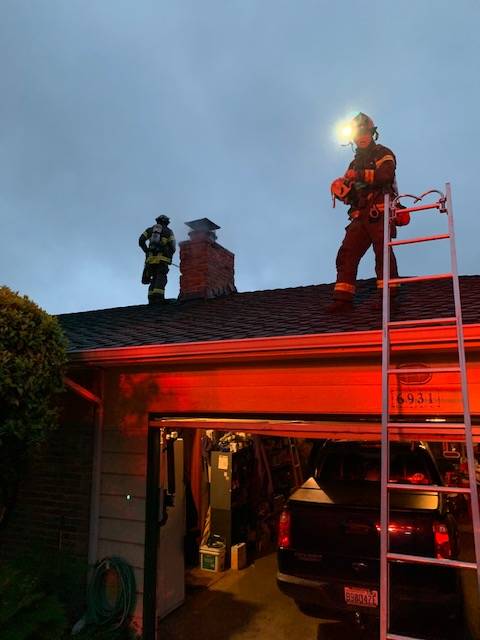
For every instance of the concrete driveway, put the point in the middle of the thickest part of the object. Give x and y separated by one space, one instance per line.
247 605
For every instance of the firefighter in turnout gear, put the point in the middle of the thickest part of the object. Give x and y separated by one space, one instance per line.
158 257
369 176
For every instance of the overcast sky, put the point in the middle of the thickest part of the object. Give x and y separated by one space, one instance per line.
113 111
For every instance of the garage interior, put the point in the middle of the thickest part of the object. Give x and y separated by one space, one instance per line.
230 486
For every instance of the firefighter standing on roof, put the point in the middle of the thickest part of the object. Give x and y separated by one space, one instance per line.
158 257
369 176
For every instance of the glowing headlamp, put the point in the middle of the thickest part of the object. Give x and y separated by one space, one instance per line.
344 131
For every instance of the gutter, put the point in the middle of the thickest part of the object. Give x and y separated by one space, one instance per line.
314 346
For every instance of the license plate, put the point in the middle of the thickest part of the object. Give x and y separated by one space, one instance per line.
361 597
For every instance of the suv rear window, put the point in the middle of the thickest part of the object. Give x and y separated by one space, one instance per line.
363 464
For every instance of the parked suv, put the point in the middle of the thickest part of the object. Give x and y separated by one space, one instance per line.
329 534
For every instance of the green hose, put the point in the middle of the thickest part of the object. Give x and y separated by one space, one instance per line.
101 610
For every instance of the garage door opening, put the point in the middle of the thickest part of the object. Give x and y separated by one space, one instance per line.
230 537
236 483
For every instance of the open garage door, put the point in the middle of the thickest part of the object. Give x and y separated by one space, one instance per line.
348 427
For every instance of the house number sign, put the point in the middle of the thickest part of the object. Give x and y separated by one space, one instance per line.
415 398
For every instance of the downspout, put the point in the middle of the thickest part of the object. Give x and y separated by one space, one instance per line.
96 465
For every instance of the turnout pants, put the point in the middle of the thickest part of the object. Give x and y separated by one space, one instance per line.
361 233
158 281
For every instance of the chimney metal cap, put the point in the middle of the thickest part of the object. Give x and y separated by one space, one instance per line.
202 224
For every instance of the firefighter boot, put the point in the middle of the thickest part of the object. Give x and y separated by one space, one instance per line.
156 296
340 306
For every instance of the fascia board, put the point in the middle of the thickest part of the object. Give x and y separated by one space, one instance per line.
323 345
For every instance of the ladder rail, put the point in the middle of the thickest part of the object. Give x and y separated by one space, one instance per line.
464 384
385 443
444 205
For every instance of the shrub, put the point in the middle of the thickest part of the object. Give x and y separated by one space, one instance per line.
58 573
27 613
32 356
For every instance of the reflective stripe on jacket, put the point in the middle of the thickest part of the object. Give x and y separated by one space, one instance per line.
376 168
156 258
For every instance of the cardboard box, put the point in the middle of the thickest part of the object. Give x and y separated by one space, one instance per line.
238 556
212 559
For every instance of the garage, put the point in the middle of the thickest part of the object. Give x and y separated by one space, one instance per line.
261 564
267 363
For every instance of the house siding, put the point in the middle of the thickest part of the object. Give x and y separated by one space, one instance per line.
122 498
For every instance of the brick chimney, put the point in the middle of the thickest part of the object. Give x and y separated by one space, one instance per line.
206 268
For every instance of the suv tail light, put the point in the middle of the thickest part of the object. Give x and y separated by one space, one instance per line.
284 530
443 548
418 478
398 528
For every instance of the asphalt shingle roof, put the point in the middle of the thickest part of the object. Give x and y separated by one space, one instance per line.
278 312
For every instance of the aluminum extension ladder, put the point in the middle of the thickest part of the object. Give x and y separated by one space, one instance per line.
444 205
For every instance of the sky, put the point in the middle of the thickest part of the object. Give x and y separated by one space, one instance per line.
114 111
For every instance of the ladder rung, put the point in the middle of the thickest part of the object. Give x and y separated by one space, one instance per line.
404 323
427 487
422 207
419 370
442 236
457 564
427 425
437 276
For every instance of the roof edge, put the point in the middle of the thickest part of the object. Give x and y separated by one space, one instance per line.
353 343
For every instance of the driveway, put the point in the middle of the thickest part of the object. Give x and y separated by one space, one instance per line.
246 605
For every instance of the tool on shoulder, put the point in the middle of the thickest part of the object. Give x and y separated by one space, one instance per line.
340 188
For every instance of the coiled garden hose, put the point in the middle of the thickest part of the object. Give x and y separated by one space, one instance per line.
102 610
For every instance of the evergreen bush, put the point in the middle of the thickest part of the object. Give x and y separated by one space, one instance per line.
27 613
32 357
